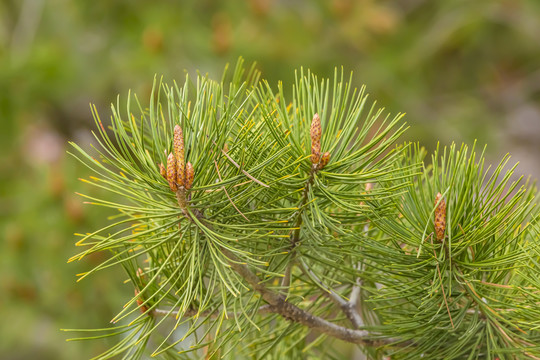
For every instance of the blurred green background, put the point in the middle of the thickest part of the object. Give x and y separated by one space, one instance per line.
461 70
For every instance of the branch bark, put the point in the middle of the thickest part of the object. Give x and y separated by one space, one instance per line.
279 305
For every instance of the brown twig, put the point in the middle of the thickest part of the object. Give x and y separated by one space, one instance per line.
279 305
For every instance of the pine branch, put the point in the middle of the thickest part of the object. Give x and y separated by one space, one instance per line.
205 238
279 305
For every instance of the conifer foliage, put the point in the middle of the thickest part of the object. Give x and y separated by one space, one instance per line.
261 222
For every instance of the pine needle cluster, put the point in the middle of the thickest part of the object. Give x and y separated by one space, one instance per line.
256 222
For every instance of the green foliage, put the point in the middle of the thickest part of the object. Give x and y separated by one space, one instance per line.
57 56
475 293
263 222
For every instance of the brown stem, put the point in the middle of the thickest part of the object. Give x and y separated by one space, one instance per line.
279 305
181 198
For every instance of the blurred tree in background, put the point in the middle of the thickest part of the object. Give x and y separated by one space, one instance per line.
460 70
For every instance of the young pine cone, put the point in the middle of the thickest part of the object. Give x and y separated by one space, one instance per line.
440 217
315 132
171 172
190 174
162 171
324 160
178 144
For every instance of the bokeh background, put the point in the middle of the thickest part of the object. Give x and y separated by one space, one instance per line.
461 70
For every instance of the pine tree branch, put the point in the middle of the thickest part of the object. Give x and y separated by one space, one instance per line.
279 305
348 308
494 280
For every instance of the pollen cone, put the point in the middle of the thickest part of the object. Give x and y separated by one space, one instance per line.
440 217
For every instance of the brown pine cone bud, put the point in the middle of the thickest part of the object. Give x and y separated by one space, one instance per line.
324 160
315 133
316 130
178 143
171 172
162 170
440 217
190 174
